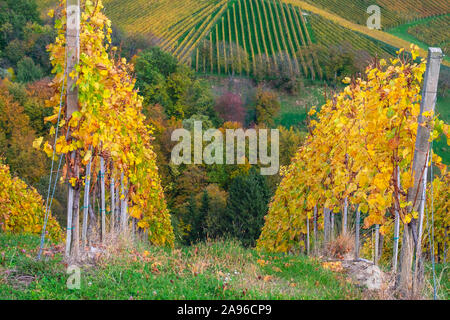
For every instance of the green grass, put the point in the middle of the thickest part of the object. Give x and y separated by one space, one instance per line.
184 273
401 31
293 112
442 280
440 146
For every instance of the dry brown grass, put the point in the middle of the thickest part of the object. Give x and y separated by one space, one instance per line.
341 246
96 252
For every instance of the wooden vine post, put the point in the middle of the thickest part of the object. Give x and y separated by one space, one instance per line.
421 154
123 206
377 244
396 231
76 212
307 236
331 225
87 187
113 200
344 217
316 232
326 226
102 197
72 58
357 231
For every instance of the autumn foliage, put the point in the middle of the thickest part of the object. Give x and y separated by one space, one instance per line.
361 137
22 208
109 123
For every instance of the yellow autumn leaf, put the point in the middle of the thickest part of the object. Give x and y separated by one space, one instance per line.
106 94
51 118
73 181
37 142
48 149
408 218
87 157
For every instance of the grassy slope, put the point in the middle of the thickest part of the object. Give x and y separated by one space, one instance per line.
376 34
401 31
293 111
185 273
442 280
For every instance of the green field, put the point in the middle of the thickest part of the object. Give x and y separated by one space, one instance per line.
218 270
402 31
294 112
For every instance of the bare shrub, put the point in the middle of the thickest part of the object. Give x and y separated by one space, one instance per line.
341 246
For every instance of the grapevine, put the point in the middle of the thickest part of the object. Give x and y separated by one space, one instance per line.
360 138
109 123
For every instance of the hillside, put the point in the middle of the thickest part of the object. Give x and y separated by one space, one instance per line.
432 31
381 36
393 13
236 36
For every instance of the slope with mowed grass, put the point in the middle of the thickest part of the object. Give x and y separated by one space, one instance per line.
218 270
393 13
428 32
379 35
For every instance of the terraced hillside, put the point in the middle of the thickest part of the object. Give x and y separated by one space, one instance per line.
256 33
392 12
328 33
390 39
435 32
159 18
263 36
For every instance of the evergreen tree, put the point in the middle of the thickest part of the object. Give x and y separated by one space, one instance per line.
247 205
28 71
203 213
192 211
14 16
197 217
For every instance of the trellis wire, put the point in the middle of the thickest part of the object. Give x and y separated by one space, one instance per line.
431 227
47 204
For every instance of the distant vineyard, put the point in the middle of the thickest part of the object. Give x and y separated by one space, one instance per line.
155 17
160 18
328 33
381 36
435 32
258 34
264 37
392 12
